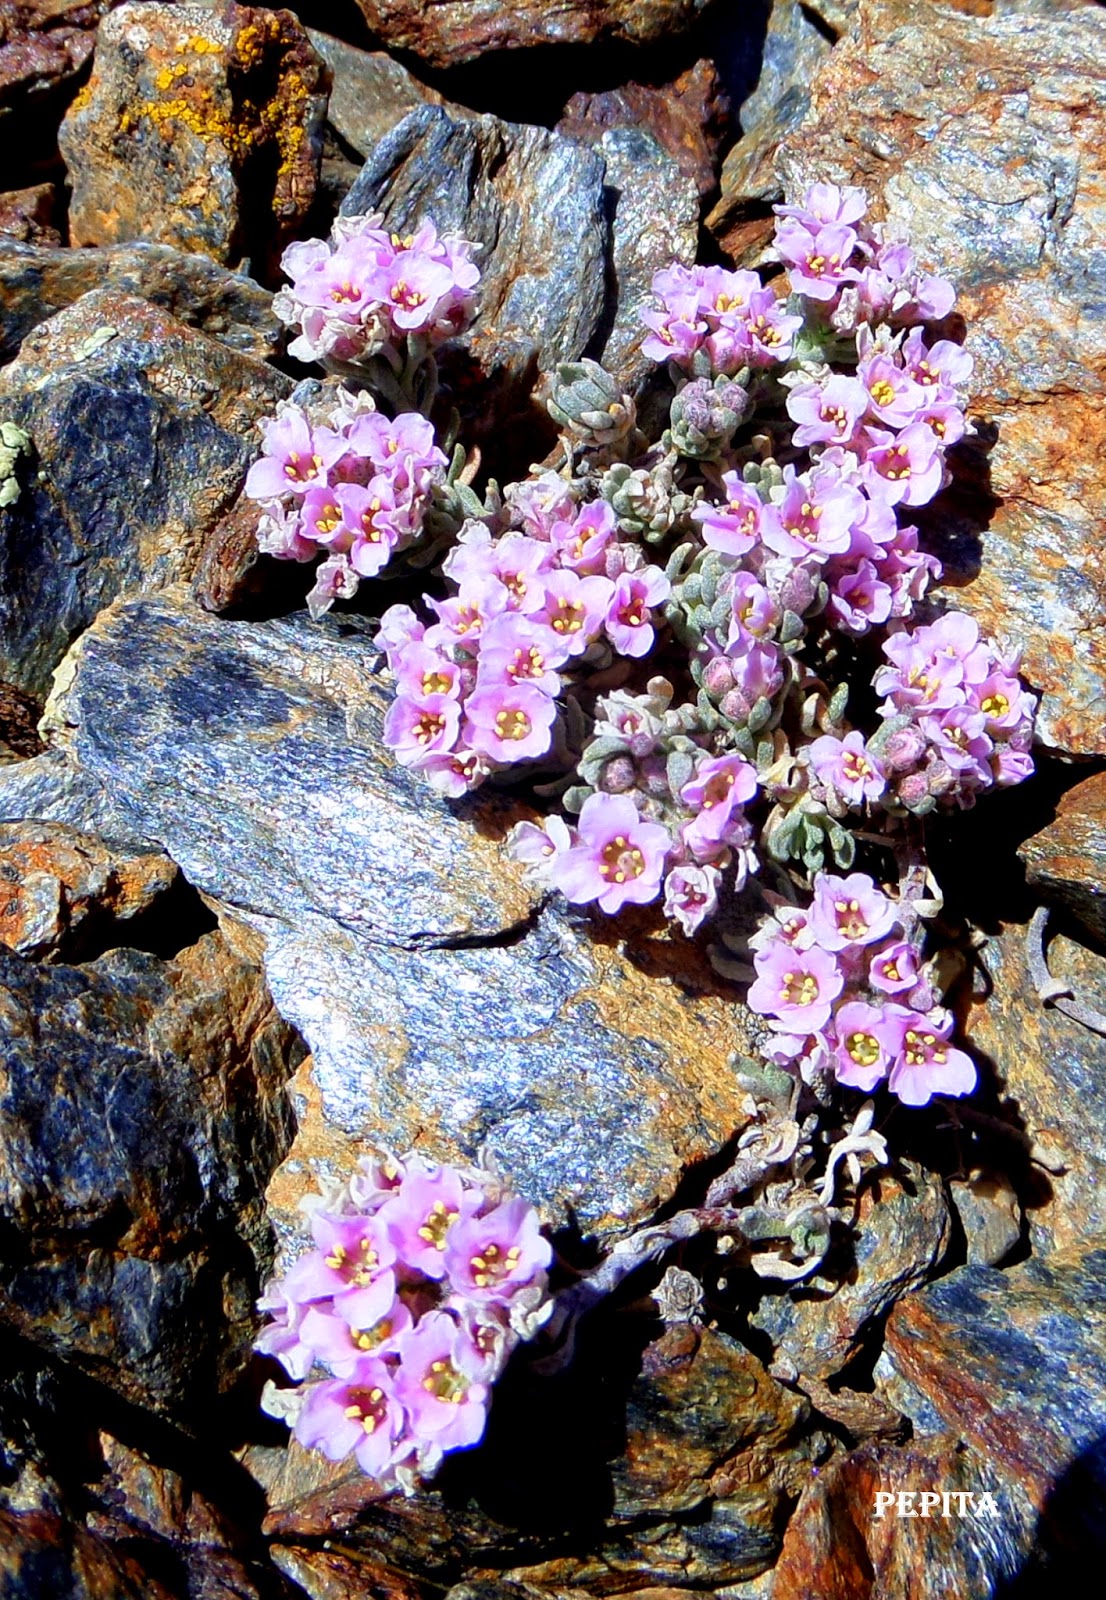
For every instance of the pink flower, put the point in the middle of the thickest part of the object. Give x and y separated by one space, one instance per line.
795 987
419 1216
756 611
489 1258
283 1338
827 413
352 1253
296 457
866 1044
926 1064
815 516
509 721
943 367
416 729
691 894
421 673
399 626
445 1406
538 847
342 1337
454 772
618 859
848 767
518 649
720 784
581 542
894 969
907 470
892 396
847 912
818 257
629 617
357 1415
575 608
825 203
733 528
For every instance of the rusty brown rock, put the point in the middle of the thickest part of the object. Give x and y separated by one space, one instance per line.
142 431
688 117
43 1553
1052 1076
1066 863
36 281
59 888
329 1574
837 1547
1014 1363
227 571
901 1232
19 714
449 32
984 139
142 1108
198 128
29 215
679 1474
990 1213
43 46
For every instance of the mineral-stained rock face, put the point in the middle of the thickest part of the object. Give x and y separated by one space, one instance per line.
532 200
36 282
451 31
43 45
688 118
370 92
58 886
1015 1363
677 1474
1052 1072
141 1112
444 1006
1066 863
43 1553
198 128
28 215
142 431
901 1233
838 1548
984 138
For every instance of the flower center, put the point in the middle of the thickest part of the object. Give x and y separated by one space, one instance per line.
445 1383
403 295
437 1224
435 683
849 919
799 989
717 790
512 724
528 663
922 1048
358 1269
569 617
428 727
995 705
346 291
882 392
863 1048
328 519
366 1406
372 1338
632 615
493 1263
856 766
621 860
301 468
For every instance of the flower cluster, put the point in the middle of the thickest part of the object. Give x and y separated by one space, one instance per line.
366 291
844 994
839 259
355 489
422 1281
712 322
477 688
956 721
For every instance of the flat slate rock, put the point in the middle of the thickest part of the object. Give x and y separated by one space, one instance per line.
444 1005
142 431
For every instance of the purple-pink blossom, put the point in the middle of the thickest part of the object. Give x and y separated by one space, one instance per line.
616 858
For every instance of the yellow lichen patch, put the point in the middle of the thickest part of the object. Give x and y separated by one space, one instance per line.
201 46
82 98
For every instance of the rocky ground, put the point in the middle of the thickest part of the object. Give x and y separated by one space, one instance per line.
239 944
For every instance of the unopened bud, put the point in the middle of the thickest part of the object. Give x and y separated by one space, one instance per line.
619 775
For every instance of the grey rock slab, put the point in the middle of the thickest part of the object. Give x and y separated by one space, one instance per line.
371 92
443 1005
532 200
655 223
142 431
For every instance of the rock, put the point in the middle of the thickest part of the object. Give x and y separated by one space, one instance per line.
329 1574
591 1062
370 93
36 282
1052 1073
19 714
901 1233
990 1214
1014 1363
1066 863
793 47
689 119
534 202
28 215
838 1547
142 432
199 129
655 222
142 1111
452 31
984 137
43 46
676 1475
43 1553
59 888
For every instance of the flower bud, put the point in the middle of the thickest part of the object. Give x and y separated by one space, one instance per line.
903 750
736 706
718 676
705 416
619 775
587 402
